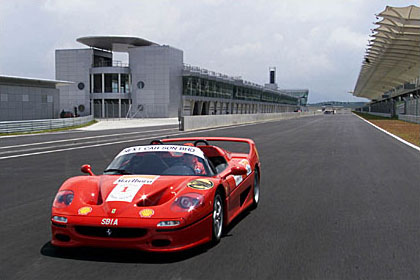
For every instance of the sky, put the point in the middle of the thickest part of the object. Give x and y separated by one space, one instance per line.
318 44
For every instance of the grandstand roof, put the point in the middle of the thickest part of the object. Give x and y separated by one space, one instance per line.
393 54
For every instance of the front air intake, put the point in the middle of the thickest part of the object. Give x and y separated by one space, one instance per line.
111 232
161 242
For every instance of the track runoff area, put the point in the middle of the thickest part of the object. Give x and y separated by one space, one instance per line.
339 200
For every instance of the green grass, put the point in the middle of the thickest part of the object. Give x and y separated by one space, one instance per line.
51 130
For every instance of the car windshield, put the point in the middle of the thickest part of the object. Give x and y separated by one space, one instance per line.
172 163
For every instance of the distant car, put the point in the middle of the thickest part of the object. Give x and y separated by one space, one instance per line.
158 197
329 111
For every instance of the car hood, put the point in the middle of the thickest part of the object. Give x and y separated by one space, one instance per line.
126 195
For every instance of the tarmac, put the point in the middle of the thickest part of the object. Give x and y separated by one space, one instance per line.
105 124
339 200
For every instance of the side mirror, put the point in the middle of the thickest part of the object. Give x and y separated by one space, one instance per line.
87 169
238 170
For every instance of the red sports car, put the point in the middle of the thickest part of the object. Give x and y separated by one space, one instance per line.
167 196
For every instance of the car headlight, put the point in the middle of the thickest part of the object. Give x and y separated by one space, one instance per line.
63 199
60 219
168 223
187 202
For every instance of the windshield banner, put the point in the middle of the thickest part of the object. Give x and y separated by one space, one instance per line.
163 148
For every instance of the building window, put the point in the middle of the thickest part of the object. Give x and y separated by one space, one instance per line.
3 97
140 84
25 98
114 82
100 61
124 87
97 83
111 83
43 98
50 99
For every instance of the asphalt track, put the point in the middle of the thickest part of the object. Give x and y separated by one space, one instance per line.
340 200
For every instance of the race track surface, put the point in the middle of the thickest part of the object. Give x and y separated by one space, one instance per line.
340 200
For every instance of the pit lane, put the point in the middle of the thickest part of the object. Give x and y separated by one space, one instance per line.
339 200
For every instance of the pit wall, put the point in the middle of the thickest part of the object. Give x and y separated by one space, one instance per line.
385 115
409 118
406 118
40 125
200 122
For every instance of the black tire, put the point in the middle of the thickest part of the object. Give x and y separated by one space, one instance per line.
256 190
217 219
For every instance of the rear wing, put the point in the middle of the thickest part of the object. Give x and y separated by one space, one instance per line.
251 143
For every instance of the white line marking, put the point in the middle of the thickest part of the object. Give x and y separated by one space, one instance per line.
33 149
82 138
42 133
112 143
390 134
82 147
133 140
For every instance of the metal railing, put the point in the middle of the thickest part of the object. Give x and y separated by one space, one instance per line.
39 125
113 63
199 70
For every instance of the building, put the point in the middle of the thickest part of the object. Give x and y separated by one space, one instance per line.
29 98
301 94
210 93
389 75
156 83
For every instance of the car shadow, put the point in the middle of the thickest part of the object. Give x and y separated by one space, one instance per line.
133 256
235 222
120 255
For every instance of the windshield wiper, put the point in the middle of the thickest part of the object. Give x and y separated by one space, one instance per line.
118 171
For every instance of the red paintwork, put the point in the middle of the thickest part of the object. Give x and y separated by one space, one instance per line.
195 227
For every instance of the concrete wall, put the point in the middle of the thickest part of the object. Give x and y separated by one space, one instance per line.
39 125
74 65
379 114
221 106
199 122
160 69
343 111
28 103
412 107
409 118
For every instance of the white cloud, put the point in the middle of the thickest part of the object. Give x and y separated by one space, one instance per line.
246 49
314 44
345 38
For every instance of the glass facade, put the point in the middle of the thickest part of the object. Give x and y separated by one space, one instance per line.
97 83
201 87
110 108
124 85
197 86
112 83
101 61
302 95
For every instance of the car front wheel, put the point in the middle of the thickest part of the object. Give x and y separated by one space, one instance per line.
256 189
217 218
